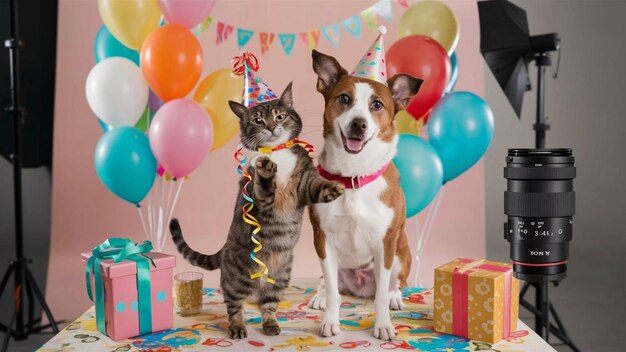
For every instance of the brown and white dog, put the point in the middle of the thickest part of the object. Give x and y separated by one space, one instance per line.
360 237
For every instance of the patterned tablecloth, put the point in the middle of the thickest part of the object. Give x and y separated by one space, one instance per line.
207 331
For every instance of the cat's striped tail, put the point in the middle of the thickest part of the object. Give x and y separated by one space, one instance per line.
208 262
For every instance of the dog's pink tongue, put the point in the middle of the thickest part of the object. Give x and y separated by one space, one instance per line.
354 144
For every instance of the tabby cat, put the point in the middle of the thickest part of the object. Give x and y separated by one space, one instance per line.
283 183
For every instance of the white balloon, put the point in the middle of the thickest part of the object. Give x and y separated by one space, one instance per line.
117 92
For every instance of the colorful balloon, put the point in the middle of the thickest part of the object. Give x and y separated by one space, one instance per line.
454 76
187 13
460 129
125 164
181 134
141 125
421 172
130 21
154 103
405 123
117 92
214 93
433 19
424 58
171 60
106 46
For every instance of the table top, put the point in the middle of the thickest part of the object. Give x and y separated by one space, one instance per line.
299 324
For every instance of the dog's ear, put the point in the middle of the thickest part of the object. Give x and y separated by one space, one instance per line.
328 70
238 109
403 89
286 97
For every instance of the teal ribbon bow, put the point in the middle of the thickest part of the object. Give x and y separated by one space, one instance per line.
120 249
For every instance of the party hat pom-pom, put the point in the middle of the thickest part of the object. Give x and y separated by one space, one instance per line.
239 63
382 29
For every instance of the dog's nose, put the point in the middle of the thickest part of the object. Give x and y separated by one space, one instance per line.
358 126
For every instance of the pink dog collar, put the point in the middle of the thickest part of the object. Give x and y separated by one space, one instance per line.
355 182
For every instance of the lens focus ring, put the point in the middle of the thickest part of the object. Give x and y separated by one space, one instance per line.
539 204
539 173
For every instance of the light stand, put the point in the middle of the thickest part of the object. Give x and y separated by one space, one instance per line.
543 308
24 280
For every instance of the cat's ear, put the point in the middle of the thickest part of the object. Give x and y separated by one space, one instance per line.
238 109
328 70
286 98
403 88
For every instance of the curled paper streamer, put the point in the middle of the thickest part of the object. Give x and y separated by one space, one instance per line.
239 63
248 218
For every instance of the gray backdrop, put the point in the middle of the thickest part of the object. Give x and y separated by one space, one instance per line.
586 106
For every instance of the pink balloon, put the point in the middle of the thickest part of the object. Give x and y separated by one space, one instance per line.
187 13
181 135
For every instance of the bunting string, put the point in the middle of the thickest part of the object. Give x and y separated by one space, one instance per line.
309 38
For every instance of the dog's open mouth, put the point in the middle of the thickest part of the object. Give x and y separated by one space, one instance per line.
353 145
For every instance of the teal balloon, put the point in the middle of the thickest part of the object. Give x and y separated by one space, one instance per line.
106 46
421 172
454 75
460 128
125 164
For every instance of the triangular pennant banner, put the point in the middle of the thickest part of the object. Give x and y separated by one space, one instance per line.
353 26
311 38
369 16
383 9
287 41
243 37
223 31
266 40
331 33
203 26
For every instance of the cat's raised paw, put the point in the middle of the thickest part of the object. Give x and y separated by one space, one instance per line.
331 192
265 167
237 331
271 329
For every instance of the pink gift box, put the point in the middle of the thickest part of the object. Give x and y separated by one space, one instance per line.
120 295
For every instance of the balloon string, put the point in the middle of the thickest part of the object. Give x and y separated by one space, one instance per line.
248 218
171 212
428 225
160 222
143 222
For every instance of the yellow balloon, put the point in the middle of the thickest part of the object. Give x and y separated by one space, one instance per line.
405 123
433 19
214 93
130 21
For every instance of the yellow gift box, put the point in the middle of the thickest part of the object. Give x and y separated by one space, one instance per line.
477 299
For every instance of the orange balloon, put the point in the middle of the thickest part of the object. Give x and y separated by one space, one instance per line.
171 61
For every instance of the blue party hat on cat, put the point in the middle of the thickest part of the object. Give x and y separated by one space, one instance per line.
255 91
372 64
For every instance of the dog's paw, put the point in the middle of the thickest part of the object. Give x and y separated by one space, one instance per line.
329 327
395 300
331 192
271 328
384 330
265 167
318 301
237 331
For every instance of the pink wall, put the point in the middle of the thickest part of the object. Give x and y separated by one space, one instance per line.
85 213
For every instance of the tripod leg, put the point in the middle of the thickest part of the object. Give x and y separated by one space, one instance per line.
31 307
42 300
539 305
7 337
524 289
564 336
545 312
5 278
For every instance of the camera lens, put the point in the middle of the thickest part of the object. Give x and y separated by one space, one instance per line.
539 202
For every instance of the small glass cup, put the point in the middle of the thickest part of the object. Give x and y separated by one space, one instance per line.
188 288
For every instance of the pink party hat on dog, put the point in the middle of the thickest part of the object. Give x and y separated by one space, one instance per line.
255 91
372 65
